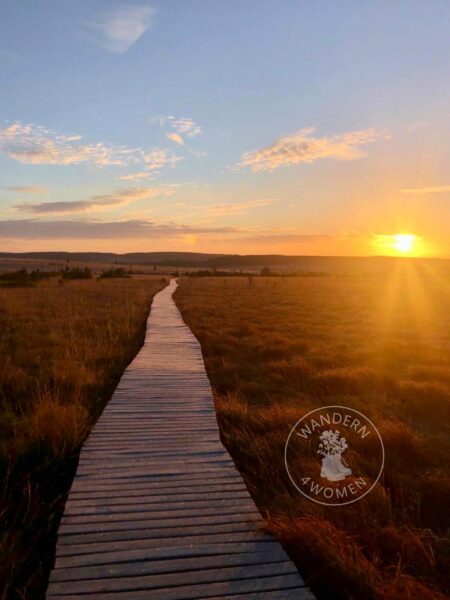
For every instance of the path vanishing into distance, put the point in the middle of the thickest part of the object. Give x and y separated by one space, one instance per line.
157 509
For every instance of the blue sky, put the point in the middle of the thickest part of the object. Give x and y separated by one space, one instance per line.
257 126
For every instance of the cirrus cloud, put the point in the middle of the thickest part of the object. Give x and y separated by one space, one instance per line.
26 189
122 197
34 144
118 30
137 176
437 189
37 145
33 229
237 208
181 125
175 137
303 147
158 158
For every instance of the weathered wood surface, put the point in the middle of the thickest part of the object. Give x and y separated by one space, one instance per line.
157 509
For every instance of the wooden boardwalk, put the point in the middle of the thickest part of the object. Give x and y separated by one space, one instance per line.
157 509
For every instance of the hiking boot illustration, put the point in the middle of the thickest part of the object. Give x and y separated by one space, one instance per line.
331 448
341 466
330 469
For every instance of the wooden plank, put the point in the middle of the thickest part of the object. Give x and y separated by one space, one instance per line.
81 486
167 580
256 585
138 530
157 508
139 505
292 594
89 498
151 567
123 550
137 519
119 552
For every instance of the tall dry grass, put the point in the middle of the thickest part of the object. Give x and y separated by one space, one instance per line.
62 351
278 348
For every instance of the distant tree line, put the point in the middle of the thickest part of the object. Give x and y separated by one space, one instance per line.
25 278
114 273
264 272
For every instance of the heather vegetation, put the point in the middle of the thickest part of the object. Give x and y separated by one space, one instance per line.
114 273
62 351
23 277
274 349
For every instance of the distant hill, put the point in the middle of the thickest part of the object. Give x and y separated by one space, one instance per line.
138 258
330 264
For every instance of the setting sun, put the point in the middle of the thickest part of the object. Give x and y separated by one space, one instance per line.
404 242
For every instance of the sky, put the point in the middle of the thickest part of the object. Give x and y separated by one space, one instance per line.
256 127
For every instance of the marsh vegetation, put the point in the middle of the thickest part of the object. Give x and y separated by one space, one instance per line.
63 348
277 348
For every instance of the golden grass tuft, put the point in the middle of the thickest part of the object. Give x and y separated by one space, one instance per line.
282 347
57 428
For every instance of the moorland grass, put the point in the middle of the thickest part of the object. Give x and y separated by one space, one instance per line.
63 347
276 348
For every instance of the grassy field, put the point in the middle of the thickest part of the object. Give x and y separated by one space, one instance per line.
63 348
276 348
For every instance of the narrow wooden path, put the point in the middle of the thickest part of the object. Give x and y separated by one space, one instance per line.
157 509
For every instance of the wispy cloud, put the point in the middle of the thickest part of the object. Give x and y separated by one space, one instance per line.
425 123
34 144
118 30
438 189
137 176
37 145
117 199
298 238
26 189
185 125
180 128
158 158
33 229
175 233
175 137
181 125
303 147
237 208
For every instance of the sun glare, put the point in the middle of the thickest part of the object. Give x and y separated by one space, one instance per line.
404 242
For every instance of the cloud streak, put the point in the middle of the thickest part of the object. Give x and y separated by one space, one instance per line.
158 158
181 125
122 197
137 176
438 189
175 137
102 230
34 144
238 208
120 29
37 145
26 189
303 147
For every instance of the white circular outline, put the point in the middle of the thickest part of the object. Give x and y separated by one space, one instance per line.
334 503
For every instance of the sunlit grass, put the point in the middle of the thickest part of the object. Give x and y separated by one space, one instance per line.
275 349
62 351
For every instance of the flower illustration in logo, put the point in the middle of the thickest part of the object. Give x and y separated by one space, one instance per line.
331 448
